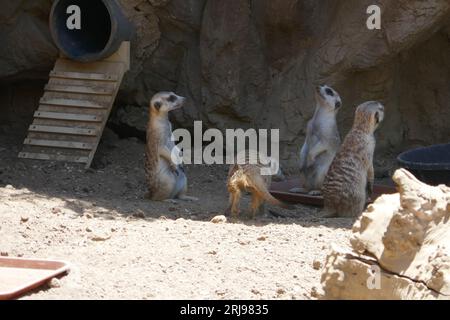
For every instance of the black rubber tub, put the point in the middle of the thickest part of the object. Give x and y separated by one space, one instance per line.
429 164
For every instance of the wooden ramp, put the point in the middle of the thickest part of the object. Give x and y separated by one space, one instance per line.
74 109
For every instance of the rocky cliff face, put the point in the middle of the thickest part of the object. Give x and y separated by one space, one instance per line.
254 63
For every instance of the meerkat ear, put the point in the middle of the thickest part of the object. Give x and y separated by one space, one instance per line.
158 105
377 117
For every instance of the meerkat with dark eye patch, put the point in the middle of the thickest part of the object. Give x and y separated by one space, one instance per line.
249 177
349 182
164 173
322 141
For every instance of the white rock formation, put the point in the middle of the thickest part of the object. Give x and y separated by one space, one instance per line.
400 247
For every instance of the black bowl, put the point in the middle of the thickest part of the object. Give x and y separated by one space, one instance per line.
429 164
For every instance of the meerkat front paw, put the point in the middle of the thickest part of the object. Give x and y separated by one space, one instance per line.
188 198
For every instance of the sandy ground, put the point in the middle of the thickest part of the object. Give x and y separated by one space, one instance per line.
121 246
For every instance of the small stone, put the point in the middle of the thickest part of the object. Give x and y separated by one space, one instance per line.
317 265
255 292
100 237
212 252
56 210
88 215
139 214
262 238
24 219
54 283
88 229
281 291
4 254
314 292
219 219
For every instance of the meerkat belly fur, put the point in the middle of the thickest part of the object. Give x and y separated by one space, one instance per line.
322 141
248 178
165 178
349 181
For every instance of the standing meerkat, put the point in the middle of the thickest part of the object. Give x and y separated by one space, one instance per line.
349 182
322 141
165 178
248 178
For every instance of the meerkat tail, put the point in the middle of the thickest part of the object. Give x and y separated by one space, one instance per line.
265 194
273 201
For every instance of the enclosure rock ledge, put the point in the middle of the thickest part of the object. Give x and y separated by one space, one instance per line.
400 247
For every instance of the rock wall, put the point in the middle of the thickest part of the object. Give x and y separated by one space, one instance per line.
254 63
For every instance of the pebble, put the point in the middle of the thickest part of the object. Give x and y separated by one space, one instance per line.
314 292
243 242
24 219
139 214
88 215
219 219
100 237
56 210
317 265
281 291
54 283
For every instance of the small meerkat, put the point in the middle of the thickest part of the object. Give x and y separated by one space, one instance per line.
165 178
349 182
248 178
322 141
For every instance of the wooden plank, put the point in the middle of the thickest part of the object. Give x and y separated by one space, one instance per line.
68 116
63 130
72 103
53 157
84 76
94 90
59 144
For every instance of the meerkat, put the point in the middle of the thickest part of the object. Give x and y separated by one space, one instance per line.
349 182
322 141
165 178
248 178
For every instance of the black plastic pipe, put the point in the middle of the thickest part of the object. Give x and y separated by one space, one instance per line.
103 27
